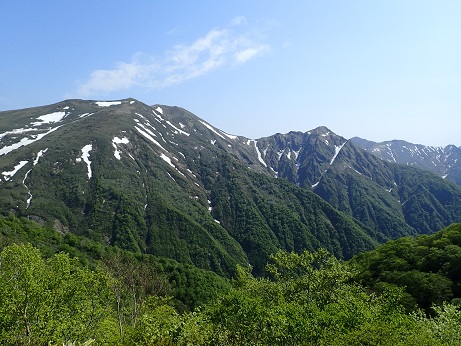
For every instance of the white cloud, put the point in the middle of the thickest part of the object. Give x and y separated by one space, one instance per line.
249 53
219 47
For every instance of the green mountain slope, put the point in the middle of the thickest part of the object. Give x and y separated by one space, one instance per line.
428 267
393 200
159 180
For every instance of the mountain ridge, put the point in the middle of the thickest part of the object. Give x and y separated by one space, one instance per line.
444 161
158 179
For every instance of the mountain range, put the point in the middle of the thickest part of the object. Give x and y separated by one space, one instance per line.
160 180
444 161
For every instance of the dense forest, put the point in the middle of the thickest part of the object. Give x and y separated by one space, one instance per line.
59 288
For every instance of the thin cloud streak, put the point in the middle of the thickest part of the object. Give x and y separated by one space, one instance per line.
218 48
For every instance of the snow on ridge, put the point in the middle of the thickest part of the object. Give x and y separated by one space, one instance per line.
337 150
49 118
8 175
108 103
228 135
115 141
212 129
86 158
159 109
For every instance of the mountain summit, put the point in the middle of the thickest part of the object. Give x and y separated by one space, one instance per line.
158 179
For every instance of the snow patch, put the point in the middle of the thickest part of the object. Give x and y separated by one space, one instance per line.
39 155
16 131
49 118
177 129
159 109
391 153
27 188
108 103
149 137
84 115
337 150
167 160
279 154
158 115
296 153
115 141
8 175
25 141
86 158
171 176
228 135
259 153
212 129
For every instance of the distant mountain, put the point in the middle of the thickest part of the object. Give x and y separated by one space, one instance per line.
158 179
393 200
443 161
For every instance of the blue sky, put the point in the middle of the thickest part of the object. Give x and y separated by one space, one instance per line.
380 70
